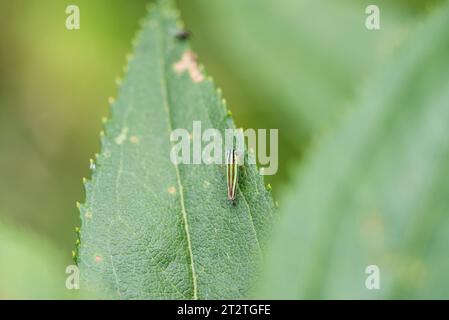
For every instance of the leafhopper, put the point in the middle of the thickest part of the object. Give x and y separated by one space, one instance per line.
231 173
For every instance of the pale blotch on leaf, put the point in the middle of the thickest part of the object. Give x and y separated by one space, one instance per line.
88 215
206 184
122 136
188 63
171 190
92 164
134 139
111 100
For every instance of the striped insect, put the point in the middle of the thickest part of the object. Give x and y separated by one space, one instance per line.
231 173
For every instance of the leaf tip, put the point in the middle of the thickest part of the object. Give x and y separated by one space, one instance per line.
180 24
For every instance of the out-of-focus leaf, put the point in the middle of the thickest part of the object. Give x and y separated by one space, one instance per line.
152 229
298 62
52 93
376 190
31 267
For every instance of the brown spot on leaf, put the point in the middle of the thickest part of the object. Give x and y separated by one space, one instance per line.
98 259
188 63
134 139
171 190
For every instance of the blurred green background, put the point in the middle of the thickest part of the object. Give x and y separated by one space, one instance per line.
294 65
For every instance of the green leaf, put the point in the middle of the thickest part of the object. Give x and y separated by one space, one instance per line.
152 229
375 191
297 62
31 266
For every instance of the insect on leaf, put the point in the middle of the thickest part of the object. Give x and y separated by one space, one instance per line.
152 229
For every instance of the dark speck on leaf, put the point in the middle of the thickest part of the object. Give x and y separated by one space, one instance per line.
182 35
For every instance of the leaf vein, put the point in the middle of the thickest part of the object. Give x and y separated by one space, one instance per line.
178 176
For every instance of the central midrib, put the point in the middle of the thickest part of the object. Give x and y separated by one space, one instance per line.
178 176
